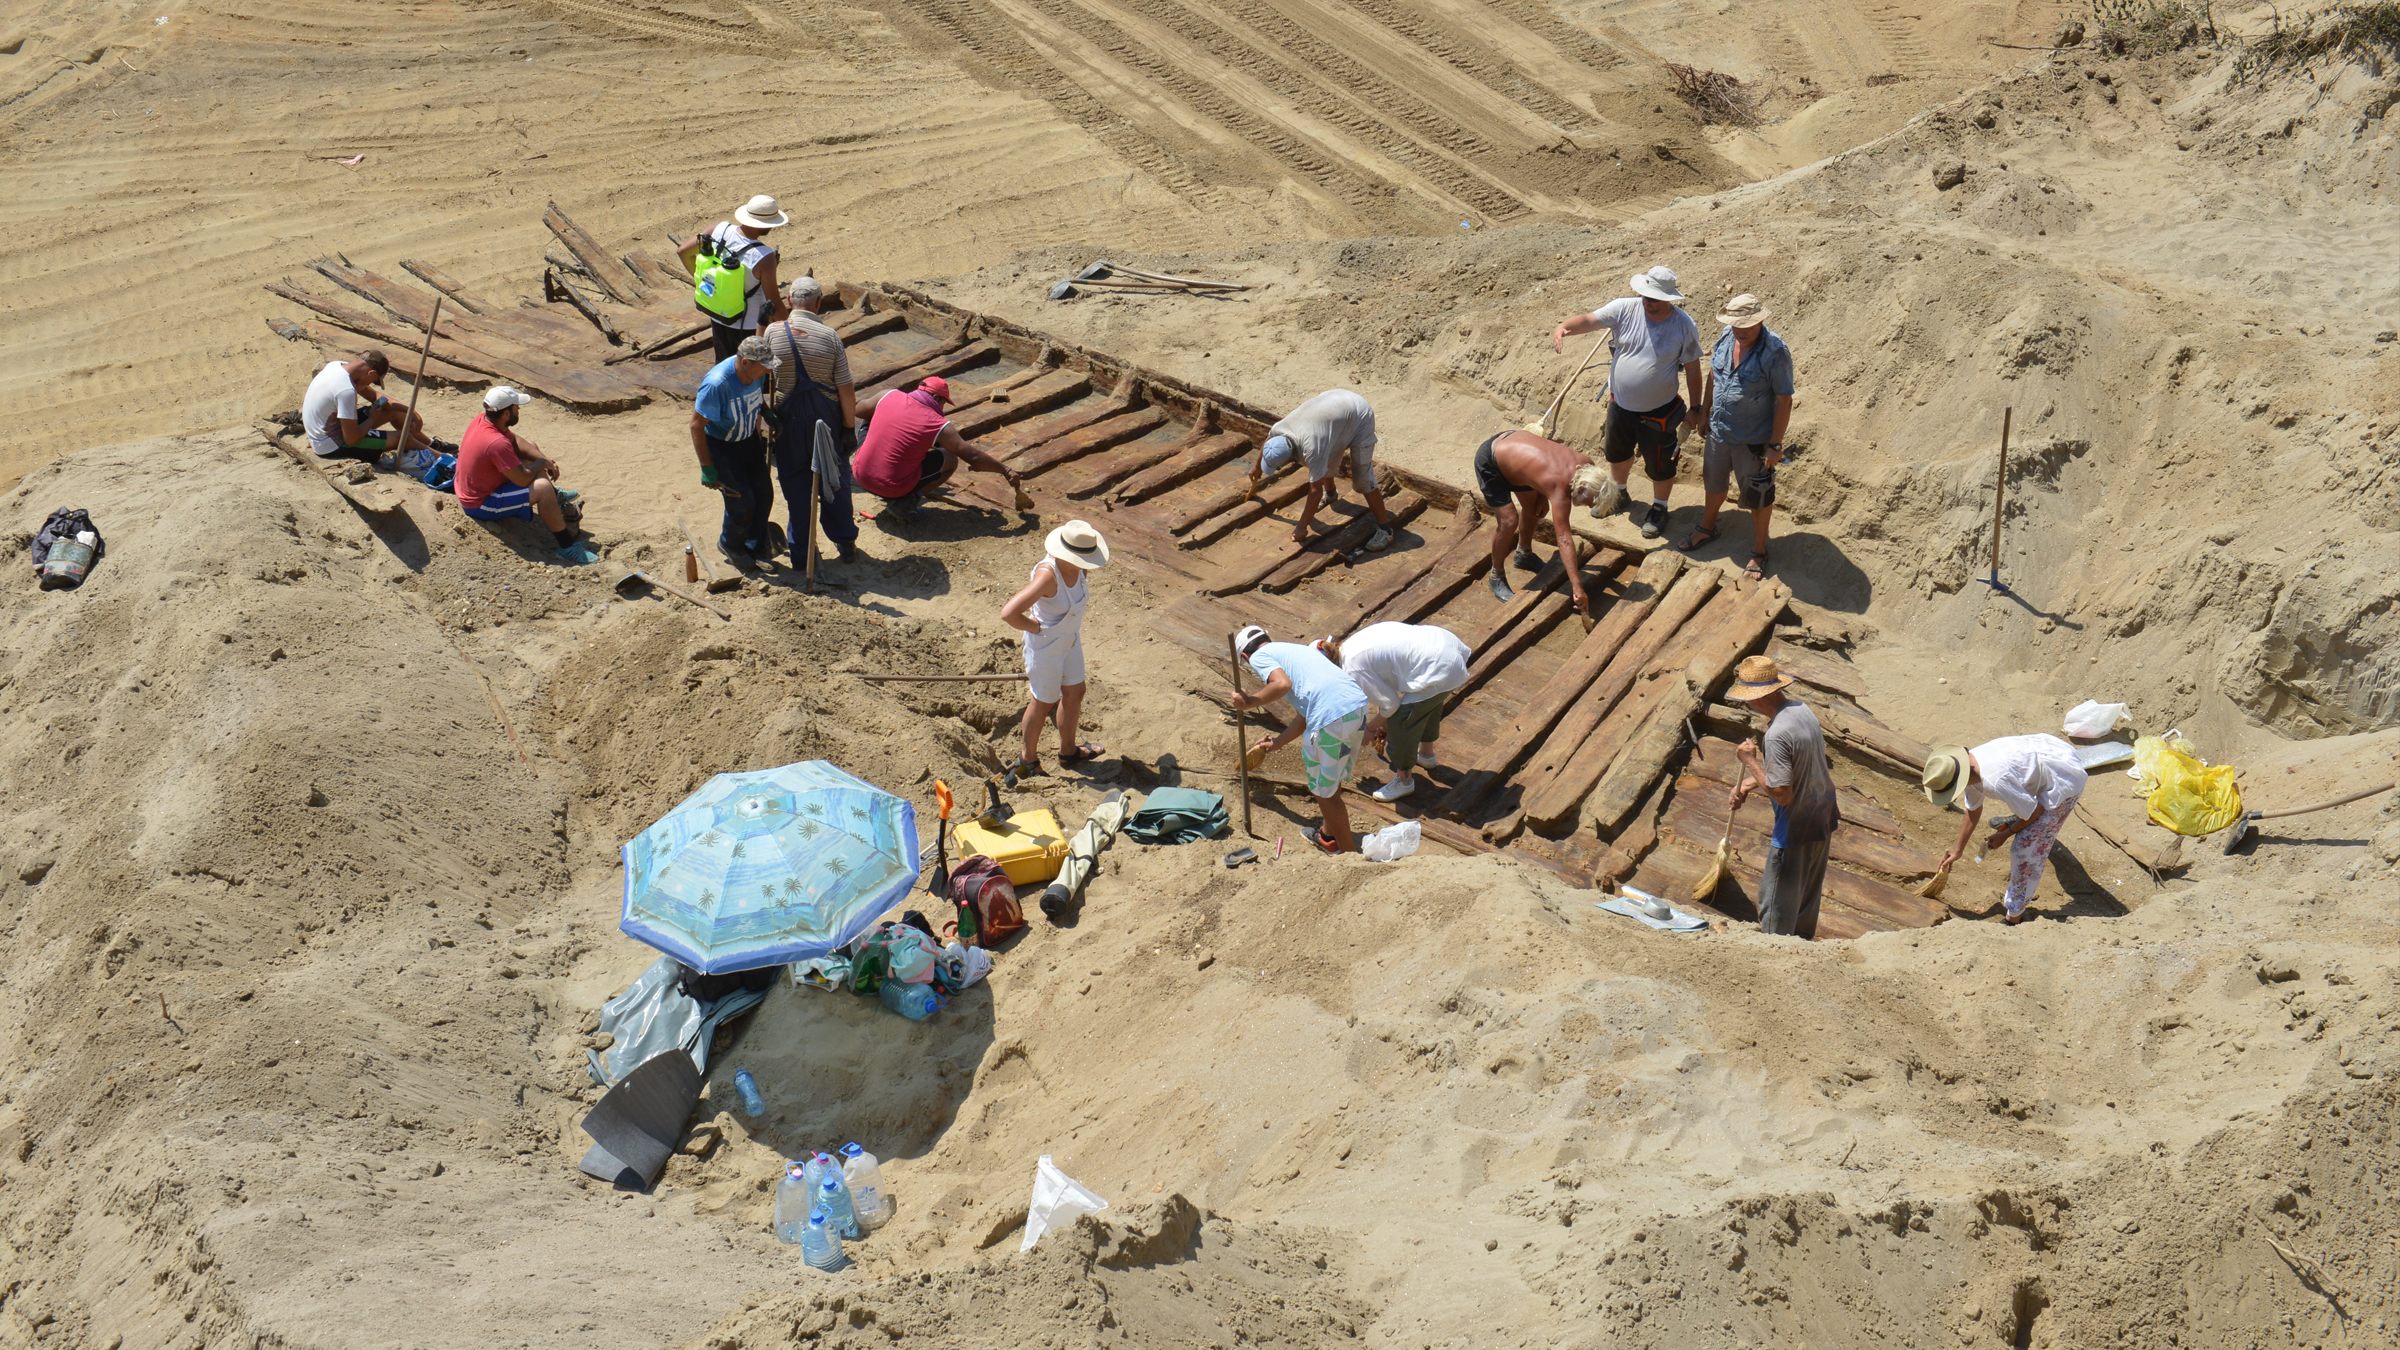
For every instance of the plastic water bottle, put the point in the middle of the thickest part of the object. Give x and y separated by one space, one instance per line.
791 1204
864 1176
748 1087
819 1246
916 1002
833 1196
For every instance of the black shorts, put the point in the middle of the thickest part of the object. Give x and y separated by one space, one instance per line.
727 337
932 467
1652 433
1497 490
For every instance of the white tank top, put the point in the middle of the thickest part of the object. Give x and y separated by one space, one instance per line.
1052 610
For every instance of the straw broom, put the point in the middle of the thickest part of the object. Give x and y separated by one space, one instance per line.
1707 888
1932 889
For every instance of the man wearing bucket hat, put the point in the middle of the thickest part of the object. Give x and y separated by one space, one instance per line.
503 475
1049 612
1649 340
1790 767
1317 433
2036 777
738 246
910 447
1748 395
1332 720
733 451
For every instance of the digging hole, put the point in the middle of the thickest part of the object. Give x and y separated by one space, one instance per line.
2027 1305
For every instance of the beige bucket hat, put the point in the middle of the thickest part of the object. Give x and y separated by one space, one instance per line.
761 213
1744 311
1945 776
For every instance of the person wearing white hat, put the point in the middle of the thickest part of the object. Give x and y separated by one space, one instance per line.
2039 780
1748 395
503 475
741 244
1049 612
1649 341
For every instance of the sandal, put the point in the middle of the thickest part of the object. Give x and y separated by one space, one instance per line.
1023 768
1699 538
1081 754
2012 920
1756 568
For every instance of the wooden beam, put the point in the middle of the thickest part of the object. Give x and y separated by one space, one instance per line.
1196 461
1034 431
1550 575
1402 569
858 328
1038 395
1099 475
1340 543
944 359
1546 614
1715 761
669 283
1824 672
1642 763
558 285
585 389
338 344
614 277
1481 774
1208 529
1042 456
1460 564
1905 752
441 281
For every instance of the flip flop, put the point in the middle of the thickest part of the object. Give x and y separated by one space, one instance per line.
1081 754
1023 768
1701 537
1756 568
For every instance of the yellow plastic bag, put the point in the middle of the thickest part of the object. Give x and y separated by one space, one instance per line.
2185 795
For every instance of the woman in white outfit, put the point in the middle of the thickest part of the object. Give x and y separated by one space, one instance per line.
1049 612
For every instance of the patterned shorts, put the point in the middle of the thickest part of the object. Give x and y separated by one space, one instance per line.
1328 752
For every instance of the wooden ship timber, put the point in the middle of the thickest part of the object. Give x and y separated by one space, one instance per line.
1602 756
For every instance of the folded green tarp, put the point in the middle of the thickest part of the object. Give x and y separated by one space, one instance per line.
1176 816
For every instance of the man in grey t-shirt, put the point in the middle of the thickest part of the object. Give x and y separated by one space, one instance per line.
1792 771
1649 340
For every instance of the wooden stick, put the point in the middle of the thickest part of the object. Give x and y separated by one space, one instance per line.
686 596
2000 490
1187 281
1241 733
692 332
928 679
1541 425
417 386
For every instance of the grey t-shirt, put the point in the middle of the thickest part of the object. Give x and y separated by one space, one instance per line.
1793 751
1643 357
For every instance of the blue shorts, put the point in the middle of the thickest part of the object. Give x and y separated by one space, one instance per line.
511 502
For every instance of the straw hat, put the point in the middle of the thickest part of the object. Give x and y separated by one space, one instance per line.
761 213
1756 677
1078 543
1744 311
1659 284
1945 776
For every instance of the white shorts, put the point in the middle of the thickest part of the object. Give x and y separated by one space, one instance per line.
1053 660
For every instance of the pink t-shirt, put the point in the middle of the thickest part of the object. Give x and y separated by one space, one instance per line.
485 454
891 456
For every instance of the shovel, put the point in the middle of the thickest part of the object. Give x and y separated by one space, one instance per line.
996 812
2247 826
940 885
1066 288
633 581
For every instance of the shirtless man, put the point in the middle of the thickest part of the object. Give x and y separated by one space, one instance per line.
1522 477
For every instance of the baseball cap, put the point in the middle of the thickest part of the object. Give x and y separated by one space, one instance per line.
938 387
1249 639
502 396
760 350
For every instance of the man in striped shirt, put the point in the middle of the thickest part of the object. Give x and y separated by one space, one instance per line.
814 385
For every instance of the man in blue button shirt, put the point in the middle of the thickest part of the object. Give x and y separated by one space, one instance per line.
1749 400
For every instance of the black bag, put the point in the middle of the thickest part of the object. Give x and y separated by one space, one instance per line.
65 523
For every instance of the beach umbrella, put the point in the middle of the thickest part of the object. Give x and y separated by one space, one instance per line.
764 868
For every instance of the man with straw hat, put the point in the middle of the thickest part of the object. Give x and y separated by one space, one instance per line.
1049 612
1649 340
1791 769
1748 395
2036 777
742 242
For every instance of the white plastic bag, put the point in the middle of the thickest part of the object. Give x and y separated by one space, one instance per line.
965 965
1058 1200
2089 720
1392 842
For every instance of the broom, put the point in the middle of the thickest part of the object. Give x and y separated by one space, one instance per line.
1932 889
1707 888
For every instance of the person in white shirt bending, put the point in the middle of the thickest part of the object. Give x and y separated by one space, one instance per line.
2036 777
1408 672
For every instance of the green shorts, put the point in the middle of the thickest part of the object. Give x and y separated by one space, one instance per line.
1412 726
1330 751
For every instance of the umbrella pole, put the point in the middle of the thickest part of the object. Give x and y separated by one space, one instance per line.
1241 734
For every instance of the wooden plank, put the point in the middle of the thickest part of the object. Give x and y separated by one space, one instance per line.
1038 395
1035 431
944 358
1698 817
1634 842
964 397
371 495
557 285
1550 575
519 334
1232 497
1716 762
1045 455
858 328
584 389
1547 613
339 345
1340 543
1270 556
1643 591
1196 461
1098 475
1905 752
1130 540
1457 568
614 277
1687 597
1822 671
1412 565
441 281
670 285
1244 515
1639 766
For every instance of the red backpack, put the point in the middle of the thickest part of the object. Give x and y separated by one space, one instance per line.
979 882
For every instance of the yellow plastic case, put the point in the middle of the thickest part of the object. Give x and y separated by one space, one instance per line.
1029 846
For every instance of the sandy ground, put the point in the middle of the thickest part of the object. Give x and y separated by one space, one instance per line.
304 953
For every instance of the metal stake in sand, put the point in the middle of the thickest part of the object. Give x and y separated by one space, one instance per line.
1241 732
1999 502
417 386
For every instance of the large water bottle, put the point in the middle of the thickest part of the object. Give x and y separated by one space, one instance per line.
864 1176
819 1166
819 1245
792 1203
748 1087
834 1198
916 1002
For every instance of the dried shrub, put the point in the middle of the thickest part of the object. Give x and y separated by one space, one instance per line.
2152 27
2370 31
1719 98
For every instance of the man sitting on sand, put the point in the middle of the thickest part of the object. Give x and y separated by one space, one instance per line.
505 476
1547 478
1316 433
1649 340
1332 720
330 412
910 448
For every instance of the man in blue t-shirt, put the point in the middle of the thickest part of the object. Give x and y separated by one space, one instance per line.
1792 770
1649 340
1332 720
733 452
1749 400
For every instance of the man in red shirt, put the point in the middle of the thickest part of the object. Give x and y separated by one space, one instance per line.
909 447
505 476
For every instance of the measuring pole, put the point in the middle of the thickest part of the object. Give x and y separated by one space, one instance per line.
1999 504
1241 734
